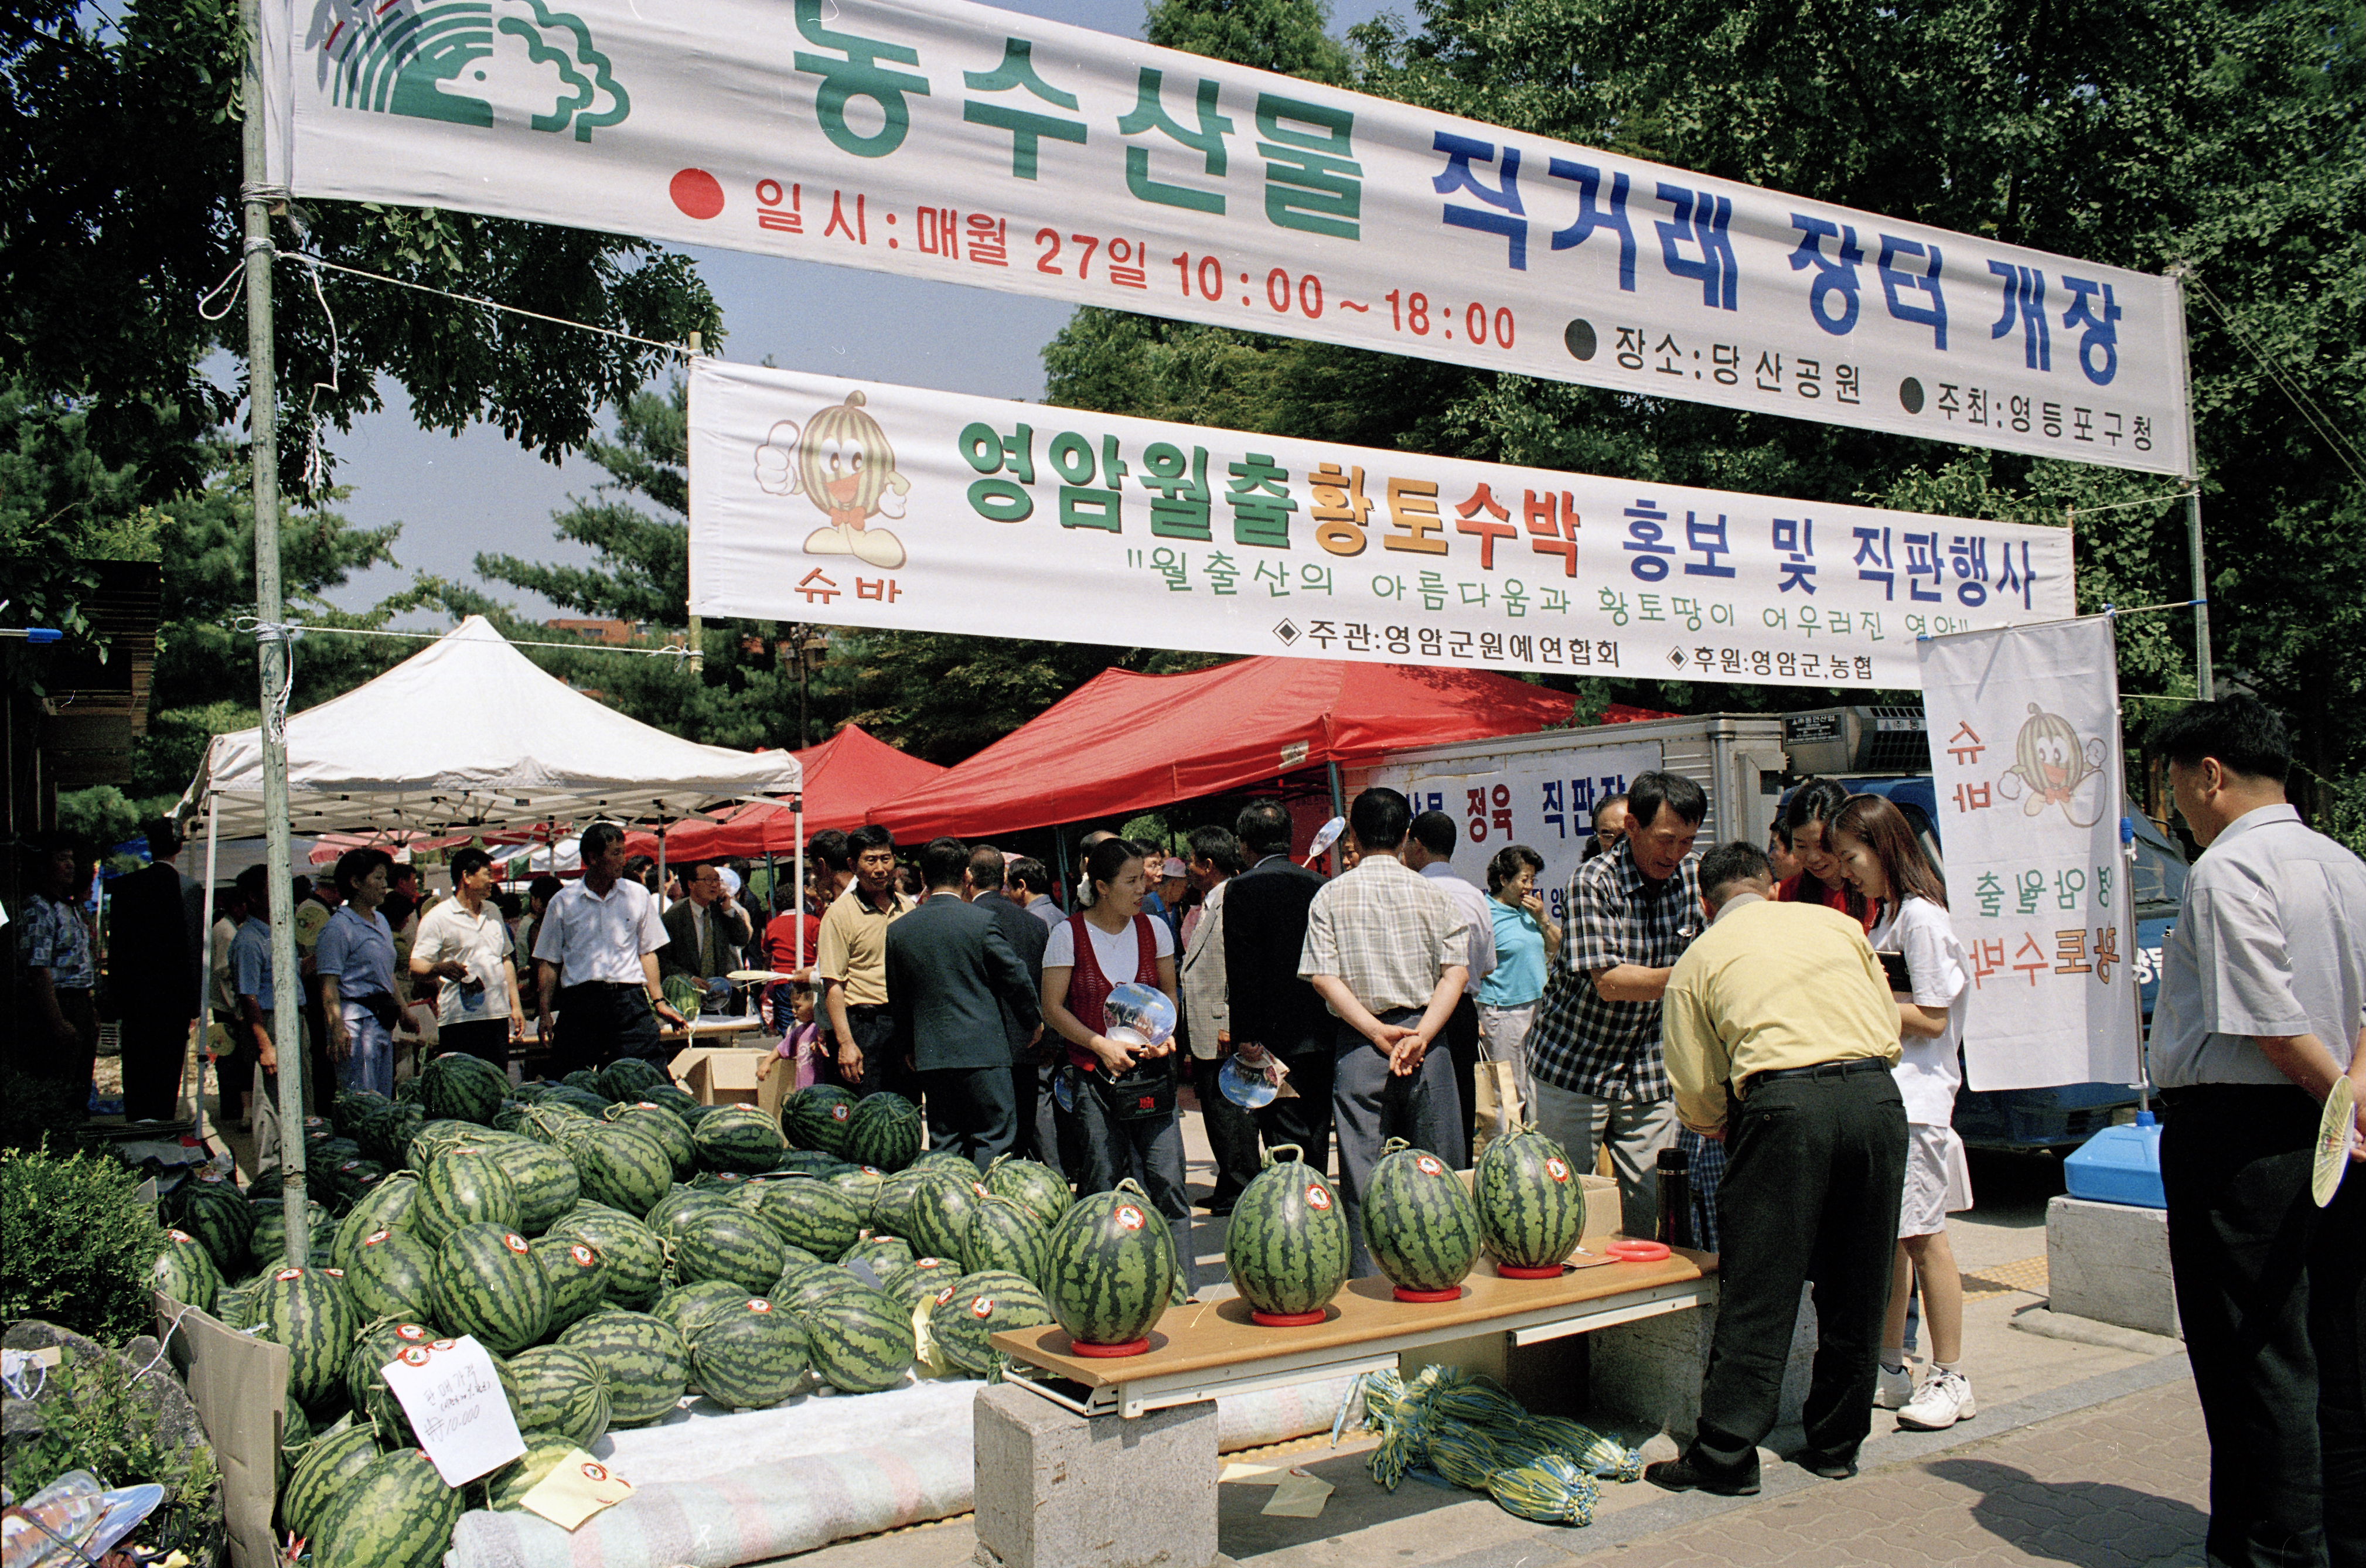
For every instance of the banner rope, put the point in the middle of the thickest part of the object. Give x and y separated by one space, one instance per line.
2322 422
477 299
243 622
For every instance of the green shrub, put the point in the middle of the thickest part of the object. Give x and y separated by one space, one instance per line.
79 1245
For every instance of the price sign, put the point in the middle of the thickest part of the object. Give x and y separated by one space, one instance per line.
454 1398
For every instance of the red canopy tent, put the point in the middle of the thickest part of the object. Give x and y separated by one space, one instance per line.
1124 742
845 776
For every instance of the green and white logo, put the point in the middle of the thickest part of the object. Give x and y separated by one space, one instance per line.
507 62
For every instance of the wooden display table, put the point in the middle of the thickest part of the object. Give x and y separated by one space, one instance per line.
1198 1352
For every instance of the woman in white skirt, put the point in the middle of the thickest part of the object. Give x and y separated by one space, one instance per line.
1879 857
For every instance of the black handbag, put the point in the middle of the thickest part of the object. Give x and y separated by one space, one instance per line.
1145 1092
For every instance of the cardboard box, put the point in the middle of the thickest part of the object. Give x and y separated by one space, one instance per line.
725 1075
1602 1213
239 1385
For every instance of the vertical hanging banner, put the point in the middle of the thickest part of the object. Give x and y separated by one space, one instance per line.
814 499
945 140
2025 751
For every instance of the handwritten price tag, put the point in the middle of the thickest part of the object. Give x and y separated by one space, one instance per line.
454 1398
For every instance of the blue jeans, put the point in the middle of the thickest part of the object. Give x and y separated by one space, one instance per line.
371 1066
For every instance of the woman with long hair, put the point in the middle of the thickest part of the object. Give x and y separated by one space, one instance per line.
1879 857
1123 1093
1804 827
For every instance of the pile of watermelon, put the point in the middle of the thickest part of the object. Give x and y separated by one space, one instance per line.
617 1246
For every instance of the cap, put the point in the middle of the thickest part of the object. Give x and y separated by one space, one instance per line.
1173 868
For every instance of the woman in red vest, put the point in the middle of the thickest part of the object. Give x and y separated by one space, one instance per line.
1123 1094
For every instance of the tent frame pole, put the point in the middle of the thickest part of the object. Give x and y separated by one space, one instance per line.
208 979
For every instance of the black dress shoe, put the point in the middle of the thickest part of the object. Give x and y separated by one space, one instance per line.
1678 1475
1830 1469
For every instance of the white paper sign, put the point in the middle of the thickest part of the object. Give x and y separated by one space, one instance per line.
2025 752
453 1399
877 506
967 143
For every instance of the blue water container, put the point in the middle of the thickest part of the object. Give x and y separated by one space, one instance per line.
2119 1165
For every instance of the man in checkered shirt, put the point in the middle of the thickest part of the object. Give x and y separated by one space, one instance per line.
1593 1054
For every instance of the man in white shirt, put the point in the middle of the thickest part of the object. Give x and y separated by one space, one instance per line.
603 934
1429 850
464 942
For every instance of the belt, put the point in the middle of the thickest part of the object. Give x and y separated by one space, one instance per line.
1749 1086
866 1007
606 986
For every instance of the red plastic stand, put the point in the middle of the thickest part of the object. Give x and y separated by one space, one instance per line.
1452 1293
1638 1251
1521 1271
1130 1347
1287 1319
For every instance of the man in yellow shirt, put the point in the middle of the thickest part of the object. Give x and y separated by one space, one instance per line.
1780 1033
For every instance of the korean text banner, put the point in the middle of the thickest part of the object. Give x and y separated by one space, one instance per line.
2025 748
812 498
957 141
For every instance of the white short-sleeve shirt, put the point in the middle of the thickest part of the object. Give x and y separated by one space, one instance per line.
480 941
591 938
1929 1071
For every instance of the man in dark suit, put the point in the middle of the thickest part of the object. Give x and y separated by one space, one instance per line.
707 928
1264 927
982 886
950 974
153 957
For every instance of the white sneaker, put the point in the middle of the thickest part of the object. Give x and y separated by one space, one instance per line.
1943 1399
1893 1390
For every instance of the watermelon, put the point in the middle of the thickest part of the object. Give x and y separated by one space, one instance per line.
351 1179
729 1243
951 1164
860 1340
268 1240
862 1186
311 1313
1027 1182
811 1214
1286 1248
737 1137
468 1185
811 1162
396 1514
387 1138
670 1096
331 1465
819 1117
664 1128
585 1078
546 1179
387 1207
941 1211
1531 1204
884 1129
462 1088
210 1209
891 1207
628 1077
685 1307
234 1304
1110 1266
394 1276
561 1391
365 1377
884 1254
922 1277
621 1167
806 1287
436 1136
645 1363
632 1258
488 1283
352 1107
1005 1236
184 1270
578 1278
977 1305
507 1488
749 1357
583 1103
1419 1224
667 1215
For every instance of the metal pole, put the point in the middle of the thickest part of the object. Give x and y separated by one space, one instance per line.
272 644
1339 808
206 965
2205 683
797 806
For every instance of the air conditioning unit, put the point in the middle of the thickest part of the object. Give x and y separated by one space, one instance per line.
1857 740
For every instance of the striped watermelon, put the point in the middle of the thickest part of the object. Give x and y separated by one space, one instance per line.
941 1212
311 1313
860 1340
1005 1235
234 1304
1029 1182
488 1283
1110 1267
667 1215
462 1088
806 1287
586 1103
737 1137
436 1136
1286 1248
812 1214
267 1242
1531 1204
396 1514
546 1179
631 1255
645 1363
621 1167
819 1117
750 1357
184 1270
862 1186
466 1186
376 1346
810 1162
210 1208
947 1161
884 1129
670 1096
578 1279
686 1307
978 1305
331 1465
922 1277
730 1243
884 1253
1419 1224
561 1391
506 1488
629 1077
387 1207
394 1276
669 1132
385 1137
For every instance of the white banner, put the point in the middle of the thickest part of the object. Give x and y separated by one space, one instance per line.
812 498
961 143
2025 748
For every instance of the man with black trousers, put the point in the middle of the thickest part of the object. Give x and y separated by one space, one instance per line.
951 976
982 885
1429 850
851 957
2262 988
1265 928
1780 1033
152 972
596 962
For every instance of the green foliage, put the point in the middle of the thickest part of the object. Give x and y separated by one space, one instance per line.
80 1243
1282 36
102 817
94 1419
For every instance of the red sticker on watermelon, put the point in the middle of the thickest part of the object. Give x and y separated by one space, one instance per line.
1318 1195
1128 1216
583 1256
334 1273
416 1355
982 1306
946 1295
443 1344
410 1331
375 1238
840 1111
287 1274
1557 1169
1430 1164
757 1304
181 1237
516 1243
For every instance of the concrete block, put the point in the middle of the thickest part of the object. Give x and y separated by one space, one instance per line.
1652 1369
1055 1490
2110 1263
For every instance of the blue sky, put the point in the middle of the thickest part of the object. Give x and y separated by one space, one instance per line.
458 495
